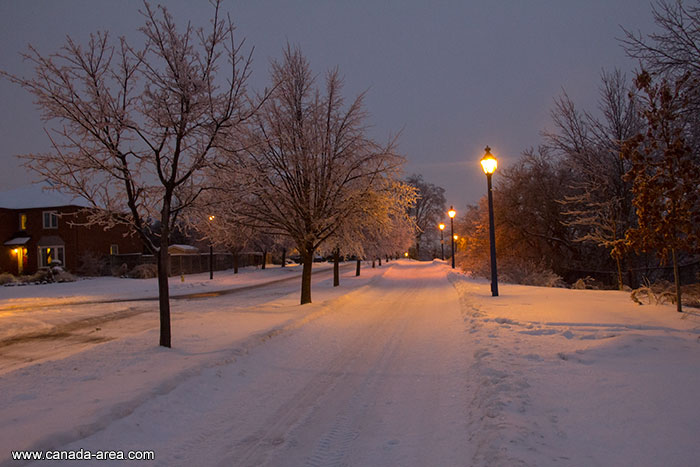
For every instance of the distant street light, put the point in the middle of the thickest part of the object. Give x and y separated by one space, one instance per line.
211 254
489 164
406 254
442 241
452 213
456 237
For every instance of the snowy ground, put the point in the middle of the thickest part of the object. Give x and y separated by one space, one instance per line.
409 364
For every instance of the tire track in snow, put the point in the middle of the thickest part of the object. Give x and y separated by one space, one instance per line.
336 378
333 448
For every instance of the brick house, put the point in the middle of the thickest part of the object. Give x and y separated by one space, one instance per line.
36 231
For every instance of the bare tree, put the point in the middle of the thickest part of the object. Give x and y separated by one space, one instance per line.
675 49
307 164
532 242
599 205
673 53
135 127
429 208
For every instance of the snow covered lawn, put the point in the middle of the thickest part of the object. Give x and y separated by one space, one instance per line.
409 364
38 308
582 377
102 289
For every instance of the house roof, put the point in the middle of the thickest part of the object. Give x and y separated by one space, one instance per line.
183 249
51 240
38 195
17 241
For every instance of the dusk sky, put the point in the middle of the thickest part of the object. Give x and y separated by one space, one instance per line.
451 76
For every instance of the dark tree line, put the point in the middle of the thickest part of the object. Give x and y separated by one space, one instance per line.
612 192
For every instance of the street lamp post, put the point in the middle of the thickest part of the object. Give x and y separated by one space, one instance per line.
211 254
442 241
452 213
489 164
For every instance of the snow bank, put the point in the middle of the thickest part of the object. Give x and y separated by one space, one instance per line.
580 377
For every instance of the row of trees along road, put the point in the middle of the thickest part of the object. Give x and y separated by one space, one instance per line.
615 188
305 169
144 132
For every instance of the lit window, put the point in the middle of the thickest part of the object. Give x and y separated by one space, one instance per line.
50 220
114 249
22 221
51 254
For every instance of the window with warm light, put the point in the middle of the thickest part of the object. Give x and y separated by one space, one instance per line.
114 249
51 254
22 221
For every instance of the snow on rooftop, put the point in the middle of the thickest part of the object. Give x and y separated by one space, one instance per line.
37 195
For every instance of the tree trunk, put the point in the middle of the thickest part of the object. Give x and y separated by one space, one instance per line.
677 279
620 284
307 259
284 257
380 261
163 291
336 268
357 268
264 259
235 263
164 296
373 265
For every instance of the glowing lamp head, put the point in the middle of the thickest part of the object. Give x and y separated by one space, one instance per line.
442 226
15 251
406 254
211 218
488 162
452 213
456 236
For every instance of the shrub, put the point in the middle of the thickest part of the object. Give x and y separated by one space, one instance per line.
63 276
586 283
91 264
656 293
543 278
144 271
121 271
511 270
7 278
42 275
528 273
691 295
